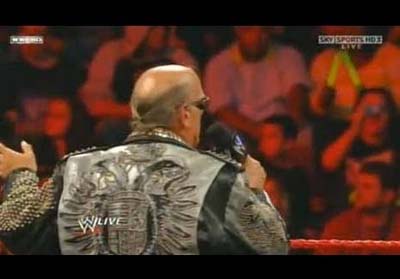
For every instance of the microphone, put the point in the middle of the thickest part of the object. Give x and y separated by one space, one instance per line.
221 139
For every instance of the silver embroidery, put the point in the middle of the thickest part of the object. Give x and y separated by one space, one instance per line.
263 227
137 213
147 191
76 152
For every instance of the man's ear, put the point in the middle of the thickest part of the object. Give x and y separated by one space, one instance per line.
183 117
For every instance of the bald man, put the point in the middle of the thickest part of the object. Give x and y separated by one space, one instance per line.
154 194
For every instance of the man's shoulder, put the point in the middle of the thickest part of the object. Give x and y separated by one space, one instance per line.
340 226
344 217
324 57
223 159
286 50
224 58
206 158
387 51
347 214
83 151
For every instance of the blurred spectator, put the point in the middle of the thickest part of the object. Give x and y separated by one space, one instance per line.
161 45
279 197
302 37
317 218
83 41
47 157
278 135
140 45
388 58
374 215
302 150
40 71
282 142
115 68
66 129
97 92
68 126
212 40
254 78
30 109
43 66
370 136
339 75
206 41
178 48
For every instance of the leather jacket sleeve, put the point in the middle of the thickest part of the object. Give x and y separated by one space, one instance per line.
235 220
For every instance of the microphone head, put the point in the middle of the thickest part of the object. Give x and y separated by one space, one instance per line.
221 139
219 135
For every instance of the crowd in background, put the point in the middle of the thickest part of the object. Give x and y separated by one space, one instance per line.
322 120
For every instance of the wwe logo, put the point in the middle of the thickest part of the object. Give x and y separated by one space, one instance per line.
92 222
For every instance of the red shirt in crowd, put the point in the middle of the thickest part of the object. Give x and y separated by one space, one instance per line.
347 226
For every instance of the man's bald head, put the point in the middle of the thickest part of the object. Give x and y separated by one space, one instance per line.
159 81
159 90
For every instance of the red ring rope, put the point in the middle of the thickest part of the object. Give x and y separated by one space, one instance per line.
352 245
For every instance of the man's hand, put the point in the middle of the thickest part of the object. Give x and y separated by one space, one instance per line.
255 173
11 160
